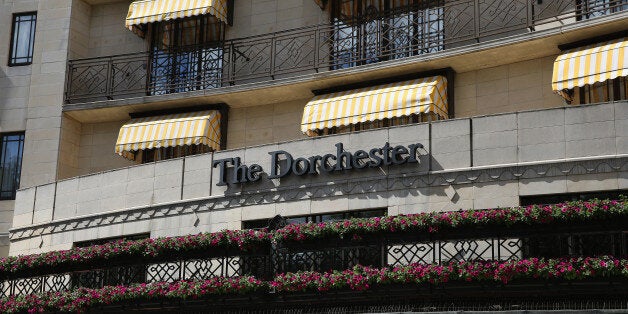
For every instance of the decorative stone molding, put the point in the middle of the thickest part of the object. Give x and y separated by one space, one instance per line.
384 183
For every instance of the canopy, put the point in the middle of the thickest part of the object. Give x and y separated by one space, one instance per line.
392 100
150 11
194 128
588 65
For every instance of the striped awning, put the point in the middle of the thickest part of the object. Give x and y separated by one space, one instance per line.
588 65
425 95
193 128
150 11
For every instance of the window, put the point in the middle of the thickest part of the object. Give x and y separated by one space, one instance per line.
368 213
123 275
569 197
11 148
163 153
291 259
595 8
22 39
610 90
368 31
186 55
561 245
133 237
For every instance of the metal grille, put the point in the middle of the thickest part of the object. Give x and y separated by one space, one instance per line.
379 35
378 251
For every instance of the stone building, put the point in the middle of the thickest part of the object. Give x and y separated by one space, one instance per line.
153 118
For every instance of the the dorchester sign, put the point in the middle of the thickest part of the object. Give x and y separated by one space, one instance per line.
283 163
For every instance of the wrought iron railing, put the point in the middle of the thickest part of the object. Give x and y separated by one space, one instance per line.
585 238
394 35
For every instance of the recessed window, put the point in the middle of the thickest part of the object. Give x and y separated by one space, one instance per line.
368 31
22 39
186 55
164 153
11 147
133 237
367 213
547 199
609 90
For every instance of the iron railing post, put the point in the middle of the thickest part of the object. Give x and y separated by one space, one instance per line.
530 16
68 81
232 68
273 55
476 20
109 79
316 48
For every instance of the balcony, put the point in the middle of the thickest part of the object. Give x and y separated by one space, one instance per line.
473 259
322 48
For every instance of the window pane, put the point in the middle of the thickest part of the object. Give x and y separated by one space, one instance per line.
23 34
10 164
22 39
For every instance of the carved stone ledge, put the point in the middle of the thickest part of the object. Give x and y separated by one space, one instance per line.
392 182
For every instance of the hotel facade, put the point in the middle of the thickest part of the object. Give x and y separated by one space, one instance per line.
153 118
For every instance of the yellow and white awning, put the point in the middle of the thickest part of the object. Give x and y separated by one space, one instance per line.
193 128
588 65
150 11
425 95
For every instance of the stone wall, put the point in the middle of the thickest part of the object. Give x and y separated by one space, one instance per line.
525 85
466 163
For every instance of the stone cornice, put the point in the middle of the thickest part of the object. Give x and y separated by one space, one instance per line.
384 183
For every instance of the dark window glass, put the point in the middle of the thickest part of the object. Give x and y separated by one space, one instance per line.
109 276
563 245
263 223
109 240
163 153
22 38
11 147
568 197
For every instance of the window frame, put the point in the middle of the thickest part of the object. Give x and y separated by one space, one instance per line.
14 22
384 20
19 166
176 67
614 90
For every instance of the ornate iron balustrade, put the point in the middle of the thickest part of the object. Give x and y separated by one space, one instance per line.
579 239
395 35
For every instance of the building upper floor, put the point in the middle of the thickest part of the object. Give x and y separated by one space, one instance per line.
223 47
